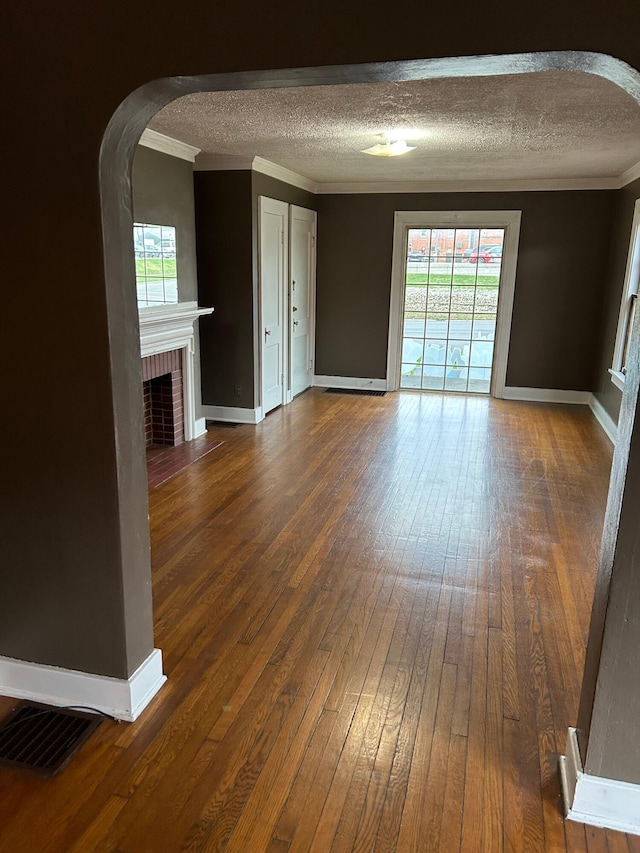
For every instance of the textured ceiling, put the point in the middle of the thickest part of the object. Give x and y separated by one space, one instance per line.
512 127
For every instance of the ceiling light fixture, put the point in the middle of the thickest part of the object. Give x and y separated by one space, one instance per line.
389 148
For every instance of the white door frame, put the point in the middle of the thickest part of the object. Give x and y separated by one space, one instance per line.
311 216
405 219
279 208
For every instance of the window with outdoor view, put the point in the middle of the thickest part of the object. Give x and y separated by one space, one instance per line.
452 279
155 254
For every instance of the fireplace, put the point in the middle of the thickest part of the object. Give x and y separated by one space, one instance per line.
163 399
167 348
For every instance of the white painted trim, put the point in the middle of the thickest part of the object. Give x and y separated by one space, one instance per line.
489 186
304 214
168 145
232 414
200 427
215 163
351 382
618 378
596 800
170 327
547 395
630 287
280 209
123 698
405 219
604 419
281 173
630 175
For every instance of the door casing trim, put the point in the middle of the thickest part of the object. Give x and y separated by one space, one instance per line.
405 219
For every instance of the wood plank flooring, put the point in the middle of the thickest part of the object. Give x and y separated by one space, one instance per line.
373 614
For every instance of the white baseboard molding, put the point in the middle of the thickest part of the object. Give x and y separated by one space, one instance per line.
547 395
351 382
595 800
604 419
232 414
122 698
200 427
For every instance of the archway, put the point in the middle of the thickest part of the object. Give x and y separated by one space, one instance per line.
117 151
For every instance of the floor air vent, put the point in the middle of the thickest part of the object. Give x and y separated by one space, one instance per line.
43 739
358 392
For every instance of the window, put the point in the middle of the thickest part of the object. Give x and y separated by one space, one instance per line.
450 308
155 254
628 306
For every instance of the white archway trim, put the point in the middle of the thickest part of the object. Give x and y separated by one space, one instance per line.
405 219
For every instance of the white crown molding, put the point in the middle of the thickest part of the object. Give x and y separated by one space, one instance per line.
631 174
214 163
551 184
283 174
349 382
547 395
168 145
596 800
122 698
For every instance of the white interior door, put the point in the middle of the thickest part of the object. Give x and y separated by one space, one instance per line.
273 287
302 237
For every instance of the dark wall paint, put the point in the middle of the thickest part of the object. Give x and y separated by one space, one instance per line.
227 229
622 218
273 188
561 262
163 195
225 281
74 562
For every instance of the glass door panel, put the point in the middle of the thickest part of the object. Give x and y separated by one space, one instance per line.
450 308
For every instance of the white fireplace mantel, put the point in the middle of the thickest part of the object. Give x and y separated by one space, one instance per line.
170 327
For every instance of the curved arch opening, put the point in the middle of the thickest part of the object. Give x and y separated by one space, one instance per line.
116 158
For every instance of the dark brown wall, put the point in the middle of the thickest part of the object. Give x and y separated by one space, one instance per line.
227 228
225 281
561 262
163 195
613 281
75 567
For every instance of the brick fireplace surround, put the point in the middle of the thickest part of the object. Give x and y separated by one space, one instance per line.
167 343
163 399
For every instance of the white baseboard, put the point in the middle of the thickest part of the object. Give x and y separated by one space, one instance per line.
351 382
232 414
595 800
604 419
200 427
547 395
122 698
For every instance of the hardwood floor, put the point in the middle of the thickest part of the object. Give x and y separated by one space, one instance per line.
373 614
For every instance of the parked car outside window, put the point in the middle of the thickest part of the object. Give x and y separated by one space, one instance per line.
486 255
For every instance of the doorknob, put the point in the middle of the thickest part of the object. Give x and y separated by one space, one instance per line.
267 332
295 322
